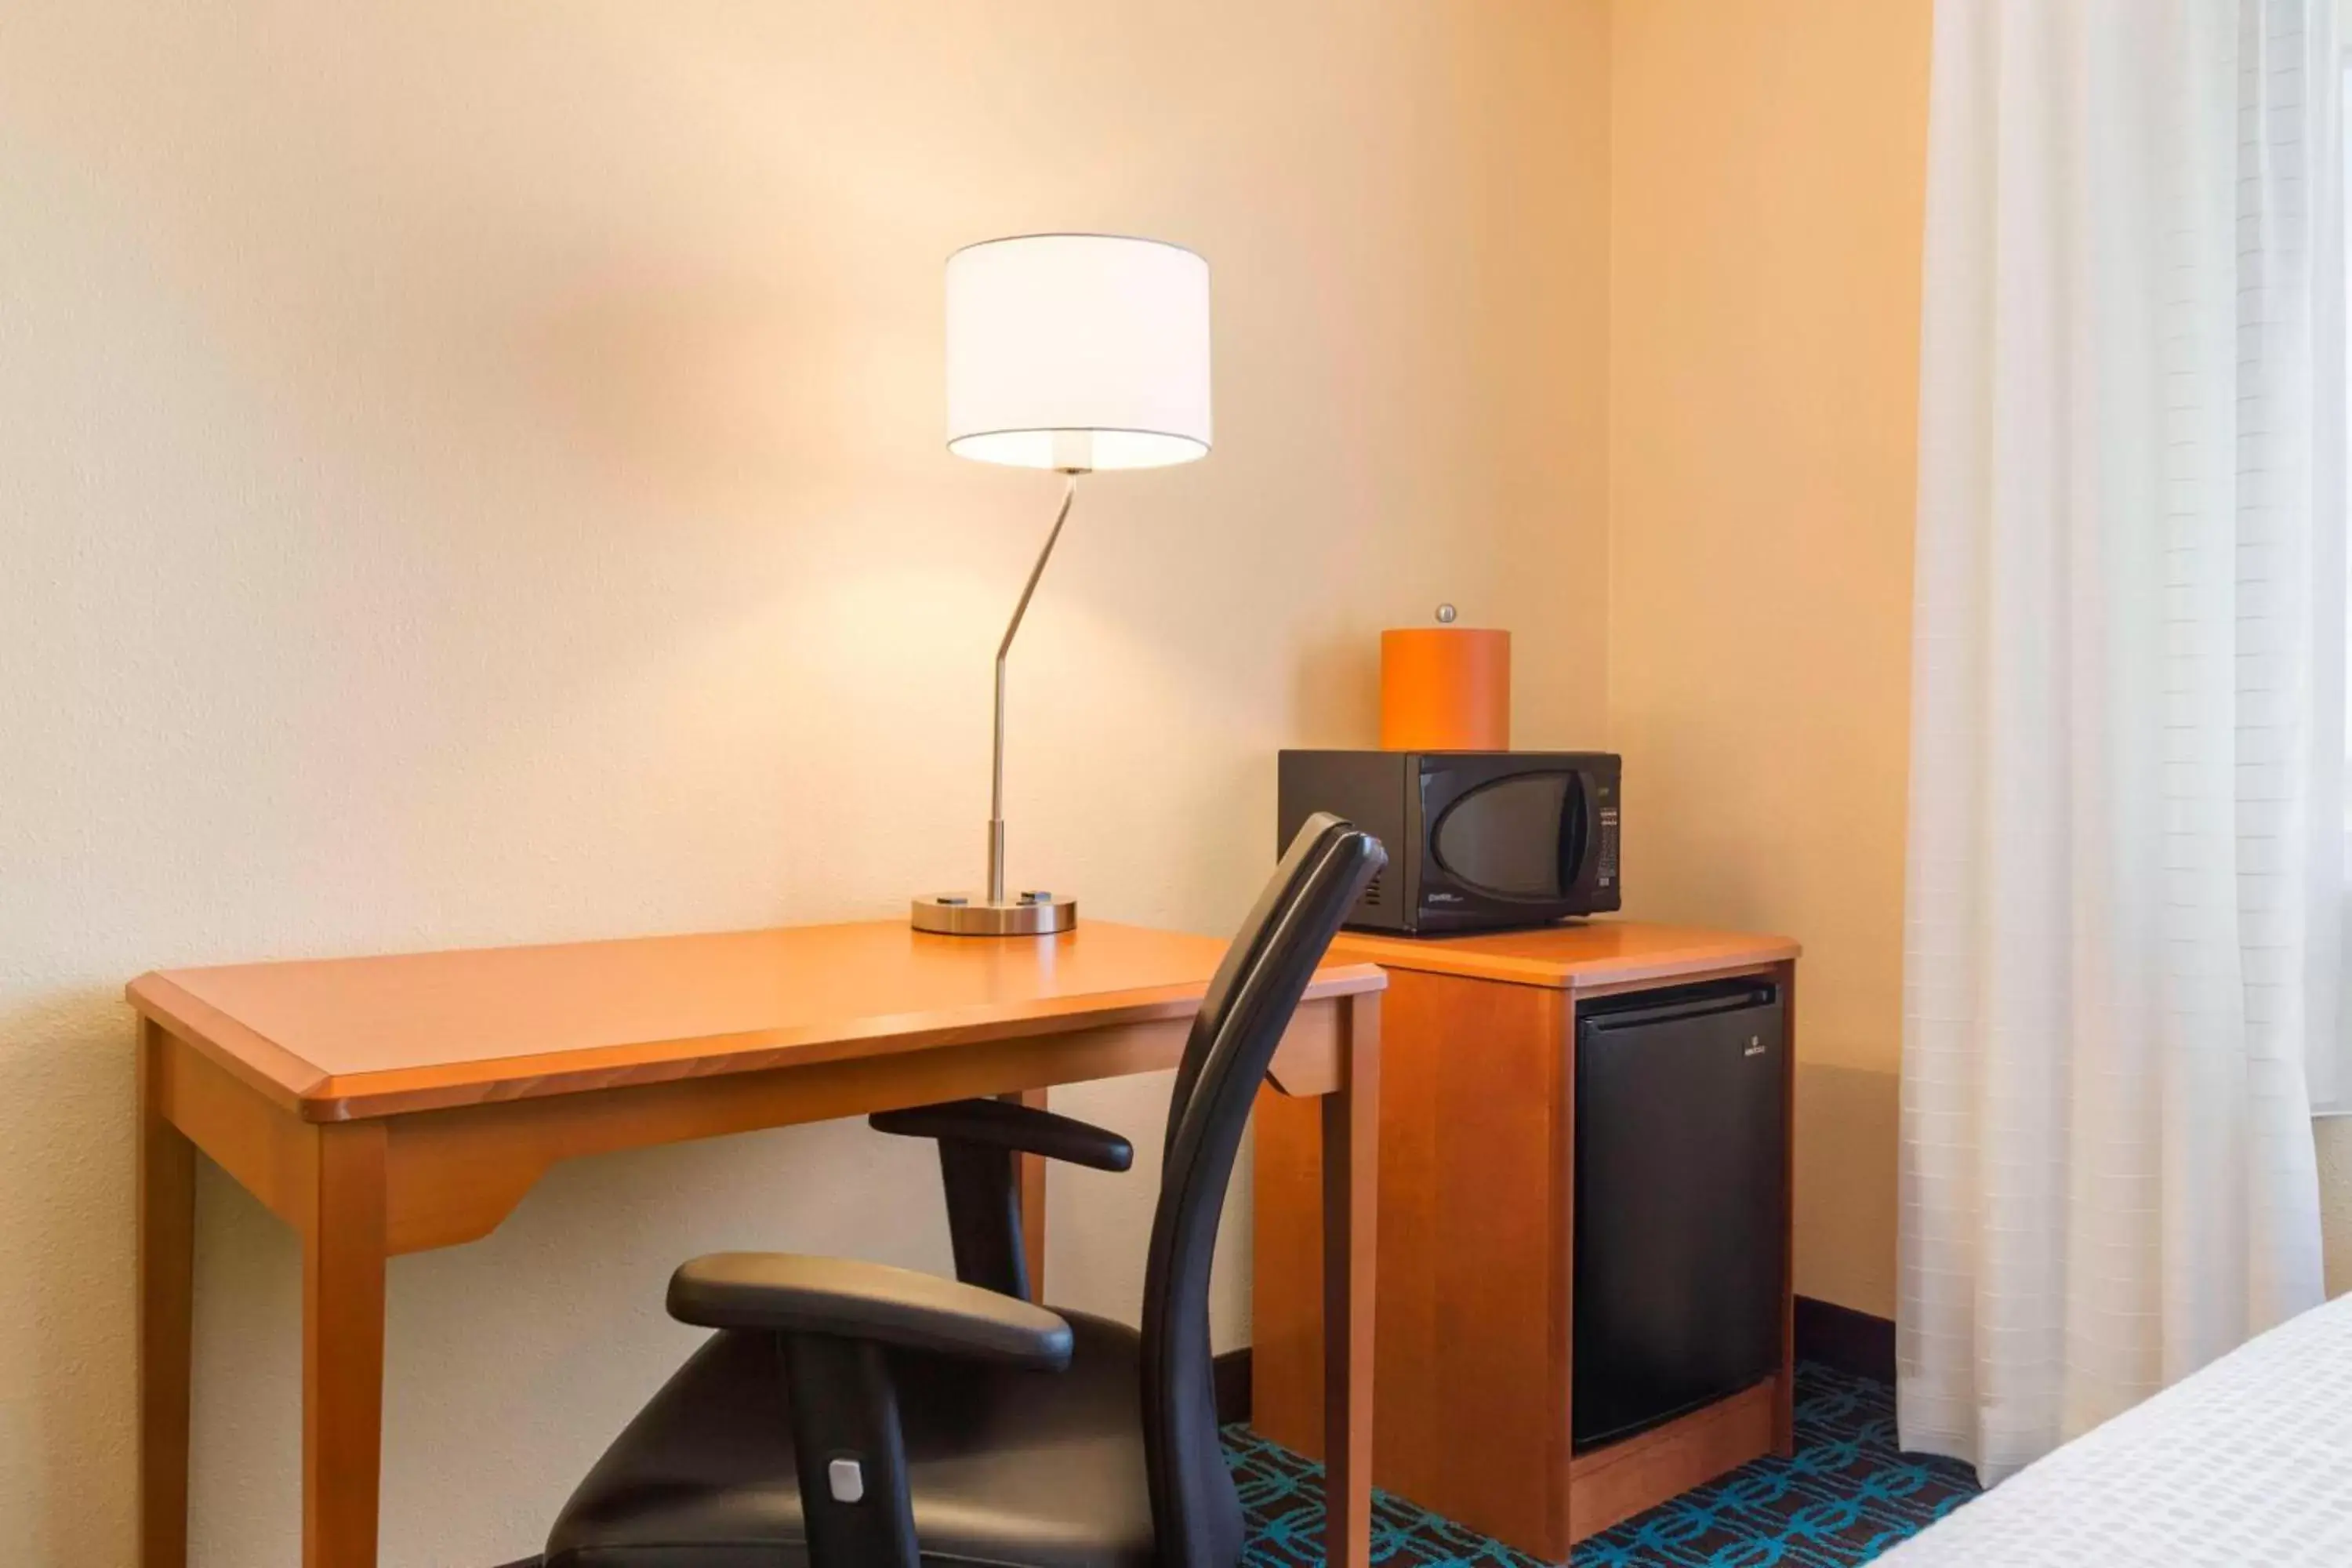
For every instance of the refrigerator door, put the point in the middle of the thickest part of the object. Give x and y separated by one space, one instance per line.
1681 1145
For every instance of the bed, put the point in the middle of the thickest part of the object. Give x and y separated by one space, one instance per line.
2247 1464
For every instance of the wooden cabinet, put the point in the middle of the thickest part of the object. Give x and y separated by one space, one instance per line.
1474 1325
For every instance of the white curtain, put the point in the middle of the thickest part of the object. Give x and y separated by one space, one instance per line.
2127 755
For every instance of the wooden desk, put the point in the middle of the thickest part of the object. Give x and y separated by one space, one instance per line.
1474 1353
389 1105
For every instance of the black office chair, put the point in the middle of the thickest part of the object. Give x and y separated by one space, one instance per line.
848 1415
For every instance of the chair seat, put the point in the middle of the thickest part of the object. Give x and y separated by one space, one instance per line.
1007 1469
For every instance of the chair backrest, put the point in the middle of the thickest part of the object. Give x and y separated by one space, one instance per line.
1242 1019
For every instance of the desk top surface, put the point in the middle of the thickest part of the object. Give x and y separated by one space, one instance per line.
337 1038
1580 955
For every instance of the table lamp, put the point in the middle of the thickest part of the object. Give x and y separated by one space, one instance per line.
1075 353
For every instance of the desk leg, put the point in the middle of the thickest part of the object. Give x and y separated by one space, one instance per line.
342 1349
1351 1119
167 1223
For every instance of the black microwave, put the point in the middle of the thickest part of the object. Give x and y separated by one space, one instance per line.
1476 840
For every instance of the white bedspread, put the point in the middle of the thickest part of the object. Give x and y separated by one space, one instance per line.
2247 1463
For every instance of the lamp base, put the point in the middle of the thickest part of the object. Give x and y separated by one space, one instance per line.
959 914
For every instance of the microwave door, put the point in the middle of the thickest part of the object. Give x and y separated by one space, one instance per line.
1517 840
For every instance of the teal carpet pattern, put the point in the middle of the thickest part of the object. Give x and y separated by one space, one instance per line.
1845 1496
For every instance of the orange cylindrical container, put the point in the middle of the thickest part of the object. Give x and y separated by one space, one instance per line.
1446 689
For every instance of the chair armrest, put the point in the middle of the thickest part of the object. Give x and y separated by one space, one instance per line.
1001 1124
844 1298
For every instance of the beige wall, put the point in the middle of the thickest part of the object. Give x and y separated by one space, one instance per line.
473 474
2334 1133
1767 164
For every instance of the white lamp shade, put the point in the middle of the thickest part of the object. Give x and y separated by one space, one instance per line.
1077 351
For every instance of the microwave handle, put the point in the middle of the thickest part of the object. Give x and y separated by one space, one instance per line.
1575 838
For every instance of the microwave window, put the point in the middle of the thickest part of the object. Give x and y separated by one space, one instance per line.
1516 836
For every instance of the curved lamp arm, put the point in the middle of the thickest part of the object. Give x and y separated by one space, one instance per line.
996 775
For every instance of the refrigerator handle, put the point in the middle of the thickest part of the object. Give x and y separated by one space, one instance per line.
1761 995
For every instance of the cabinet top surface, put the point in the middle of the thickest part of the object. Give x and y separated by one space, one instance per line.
1579 956
324 1034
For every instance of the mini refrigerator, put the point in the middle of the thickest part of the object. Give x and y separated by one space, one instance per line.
1682 1131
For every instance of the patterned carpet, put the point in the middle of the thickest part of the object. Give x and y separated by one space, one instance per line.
1846 1497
